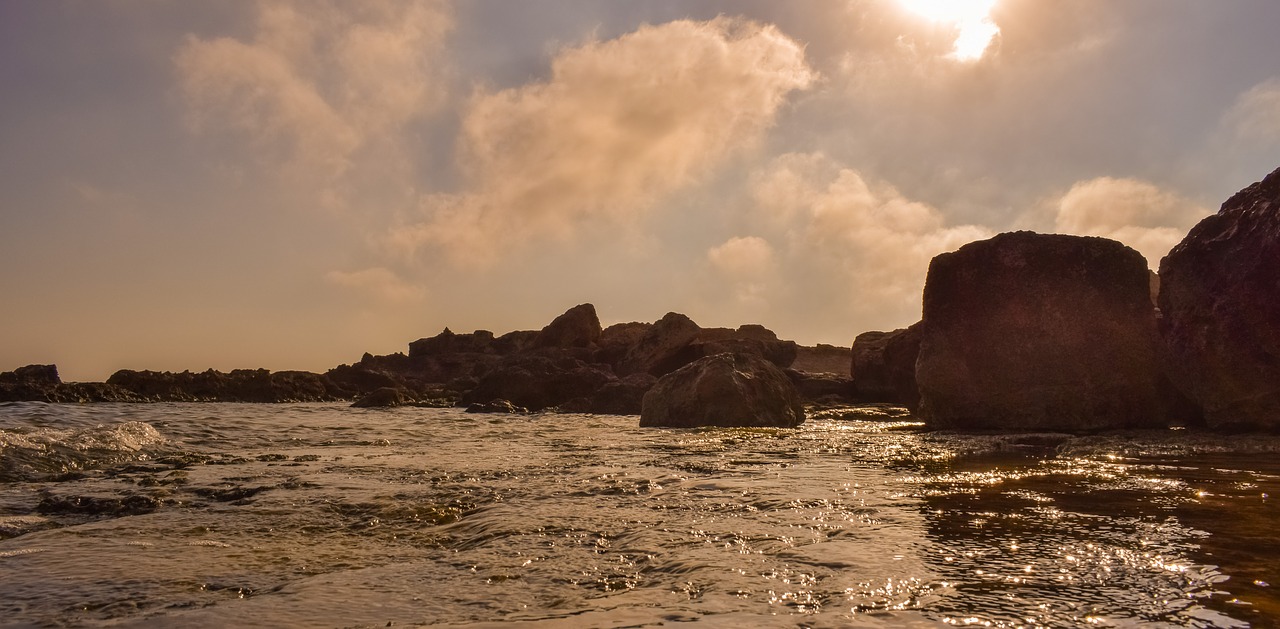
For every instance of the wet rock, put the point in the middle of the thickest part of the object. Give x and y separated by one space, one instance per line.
724 390
496 406
385 397
115 506
1036 332
663 348
1220 306
884 366
577 327
538 382
827 388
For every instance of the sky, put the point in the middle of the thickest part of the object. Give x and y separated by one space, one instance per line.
239 184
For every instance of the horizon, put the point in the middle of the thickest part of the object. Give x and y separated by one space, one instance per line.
289 185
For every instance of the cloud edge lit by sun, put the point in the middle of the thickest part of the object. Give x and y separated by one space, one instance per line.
975 30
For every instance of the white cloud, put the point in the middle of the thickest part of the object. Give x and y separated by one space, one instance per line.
320 84
1132 211
619 125
1255 117
747 264
380 282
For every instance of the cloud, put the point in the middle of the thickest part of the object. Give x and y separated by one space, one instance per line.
856 251
619 125
380 283
1132 211
1255 117
319 82
747 264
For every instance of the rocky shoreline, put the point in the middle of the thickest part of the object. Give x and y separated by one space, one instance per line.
1019 332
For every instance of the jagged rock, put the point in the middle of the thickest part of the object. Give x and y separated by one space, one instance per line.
496 406
356 380
1220 306
538 382
239 385
821 387
884 366
36 375
40 383
577 327
1036 332
663 348
447 342
724 390
822 358
384 398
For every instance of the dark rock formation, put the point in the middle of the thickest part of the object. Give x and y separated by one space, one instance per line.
40 383
618 339
663 348
884 366
724 390
385 397
823 388
822 358
538 382
1036 332
1220 306
447 342
239 385
622 397
577 327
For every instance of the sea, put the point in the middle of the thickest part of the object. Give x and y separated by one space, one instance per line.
321 515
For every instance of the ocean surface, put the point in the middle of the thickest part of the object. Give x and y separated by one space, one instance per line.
319 515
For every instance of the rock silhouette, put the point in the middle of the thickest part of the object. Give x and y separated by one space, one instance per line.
884 366
1220 307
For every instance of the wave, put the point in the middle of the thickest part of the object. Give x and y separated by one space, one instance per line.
42 453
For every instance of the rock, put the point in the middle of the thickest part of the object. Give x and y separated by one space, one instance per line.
496 406
538 382
1220 306
663 348
1034 332
618 339
577 327
780 353
825 387
385 397
822 358
36 375
239 385
724 390
622 397
357 380
884 366
447 342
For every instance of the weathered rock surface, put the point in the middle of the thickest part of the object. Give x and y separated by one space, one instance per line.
1220 307
386 397
41 383
1037 332
724 390
822 388
577 327
622 397
884 366
663 348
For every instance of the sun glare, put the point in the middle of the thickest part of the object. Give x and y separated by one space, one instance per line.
972 19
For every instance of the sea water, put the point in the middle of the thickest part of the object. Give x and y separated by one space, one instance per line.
319 515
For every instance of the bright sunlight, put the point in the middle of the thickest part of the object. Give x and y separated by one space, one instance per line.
972 19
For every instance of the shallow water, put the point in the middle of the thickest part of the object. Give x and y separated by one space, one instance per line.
210 515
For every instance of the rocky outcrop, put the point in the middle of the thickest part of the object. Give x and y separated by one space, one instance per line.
41 383
822 388
385 397
724 390
539 382
238 385
663 348
1037 332
1220 306
577 327
622 397
884 366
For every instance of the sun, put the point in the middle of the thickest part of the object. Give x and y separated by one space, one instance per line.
972 19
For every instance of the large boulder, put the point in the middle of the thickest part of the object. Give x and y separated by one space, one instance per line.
1220 308
664 347
577 327
1037 332
724 390
622 397
883 367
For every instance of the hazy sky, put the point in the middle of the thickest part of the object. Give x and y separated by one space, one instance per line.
186 185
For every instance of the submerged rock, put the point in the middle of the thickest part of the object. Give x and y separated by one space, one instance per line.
1037 332
724 390
1220 307
496 406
